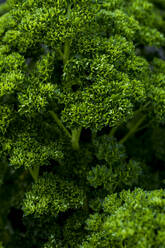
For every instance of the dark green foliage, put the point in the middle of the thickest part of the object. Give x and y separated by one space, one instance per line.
4 7
112 172
51 195
82 115
132 219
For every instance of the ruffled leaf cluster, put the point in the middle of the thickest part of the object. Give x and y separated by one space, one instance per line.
131 219
51 195
82 108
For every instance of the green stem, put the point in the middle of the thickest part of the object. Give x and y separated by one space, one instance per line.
34 173
58 121
113 131
149 123
60 53
75 138
66 52
136 113
133 130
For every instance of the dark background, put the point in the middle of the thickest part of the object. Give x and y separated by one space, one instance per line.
2 1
